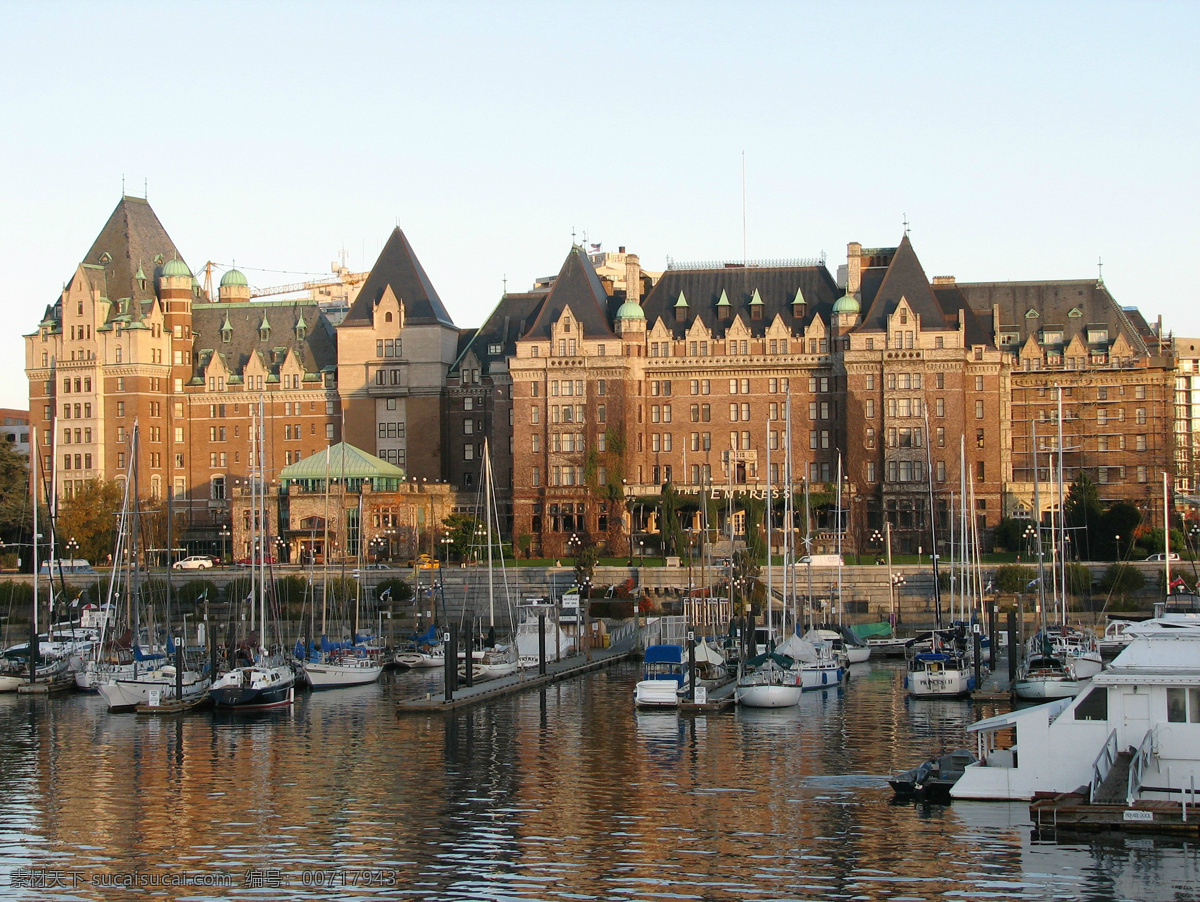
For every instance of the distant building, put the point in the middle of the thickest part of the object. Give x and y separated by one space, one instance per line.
16 429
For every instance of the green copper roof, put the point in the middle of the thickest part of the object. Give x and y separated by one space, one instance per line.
756 300
799 298
342 460
233 278
724 301
846 304
682 302
176 268
630 310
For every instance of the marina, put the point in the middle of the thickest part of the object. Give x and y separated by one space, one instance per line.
554 791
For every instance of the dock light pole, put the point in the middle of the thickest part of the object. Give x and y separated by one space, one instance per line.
223 532
72 548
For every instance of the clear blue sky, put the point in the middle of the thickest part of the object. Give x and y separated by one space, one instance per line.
1022 140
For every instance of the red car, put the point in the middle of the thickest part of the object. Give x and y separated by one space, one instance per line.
246 562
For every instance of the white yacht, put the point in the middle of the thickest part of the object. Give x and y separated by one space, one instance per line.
1134 733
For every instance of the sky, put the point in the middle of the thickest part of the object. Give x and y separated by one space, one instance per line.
1019 140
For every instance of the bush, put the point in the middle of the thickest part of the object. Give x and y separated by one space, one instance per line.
1008 533
401 590
1122 579
1079 579
1014 578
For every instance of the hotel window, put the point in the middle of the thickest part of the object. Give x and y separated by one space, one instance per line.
869 437
941 471
870 471
939 407
979 410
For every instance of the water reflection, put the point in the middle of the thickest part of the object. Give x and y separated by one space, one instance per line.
564 792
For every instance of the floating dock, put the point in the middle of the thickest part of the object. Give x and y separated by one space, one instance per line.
489 690
1071 811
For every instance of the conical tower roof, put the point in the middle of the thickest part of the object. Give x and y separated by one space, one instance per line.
399 268
133 239
579 288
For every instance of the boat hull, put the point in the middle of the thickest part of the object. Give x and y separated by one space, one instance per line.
821 676
254 688
656 694
940 684
1035 689
336 676
768 695
128 694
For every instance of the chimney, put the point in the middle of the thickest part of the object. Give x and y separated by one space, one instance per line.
853 267
633 278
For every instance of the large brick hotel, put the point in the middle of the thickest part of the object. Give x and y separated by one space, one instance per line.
599 385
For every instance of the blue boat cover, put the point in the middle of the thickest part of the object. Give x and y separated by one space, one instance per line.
664 654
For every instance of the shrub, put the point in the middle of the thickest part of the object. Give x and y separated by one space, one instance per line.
1122 579
1014 578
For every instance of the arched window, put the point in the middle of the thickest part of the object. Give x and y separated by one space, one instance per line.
387 317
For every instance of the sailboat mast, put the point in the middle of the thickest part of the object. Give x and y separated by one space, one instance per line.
1062 510
1037 515
937 589
839 536
36 493
770 569
487 501
262 533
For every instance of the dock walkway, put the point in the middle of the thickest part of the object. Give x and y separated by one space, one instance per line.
489 690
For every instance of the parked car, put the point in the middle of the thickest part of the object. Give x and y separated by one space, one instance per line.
379 566
425 562
1163 557
195 562
247 562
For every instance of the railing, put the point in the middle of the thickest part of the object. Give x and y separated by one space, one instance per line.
1103 764
1141 758
626 631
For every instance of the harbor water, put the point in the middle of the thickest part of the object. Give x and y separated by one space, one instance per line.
561 793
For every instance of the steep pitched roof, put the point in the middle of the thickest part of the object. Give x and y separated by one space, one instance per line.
1073 305
316 351
578 287
777 289
953 302
503 327
399 267
132 240
905 278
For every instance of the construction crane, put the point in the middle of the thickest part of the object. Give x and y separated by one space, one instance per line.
343 277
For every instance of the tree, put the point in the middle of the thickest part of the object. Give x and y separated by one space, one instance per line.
1083 515
1007 534
1121 519
89 517
1014 578
1122 579
15 520
586 555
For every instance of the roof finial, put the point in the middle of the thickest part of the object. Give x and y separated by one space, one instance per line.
1100 268
122 184
504 278
573 244
905 225
146 189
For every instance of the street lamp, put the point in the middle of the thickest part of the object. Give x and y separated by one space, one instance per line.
1030 532
1118 538
223 532
72 548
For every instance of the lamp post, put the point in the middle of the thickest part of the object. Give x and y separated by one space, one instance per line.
1118 540
223 532
72 548
1030 532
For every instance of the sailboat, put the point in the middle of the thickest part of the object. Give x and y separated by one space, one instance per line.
771 678
264 679
492 659
1046 673
341 664
942 670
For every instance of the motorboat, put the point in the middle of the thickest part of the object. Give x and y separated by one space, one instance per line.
662 677
1114 640
1131 735
932 779
339 670
939 673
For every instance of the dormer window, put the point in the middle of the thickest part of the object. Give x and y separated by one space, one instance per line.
302 330
756 311
106 257
724 314
681 314
566 324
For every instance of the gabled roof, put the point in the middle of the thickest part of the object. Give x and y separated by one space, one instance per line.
1052 301
777 287
399 267
905 278
133 239
506 323
578 287
315 352
339 461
